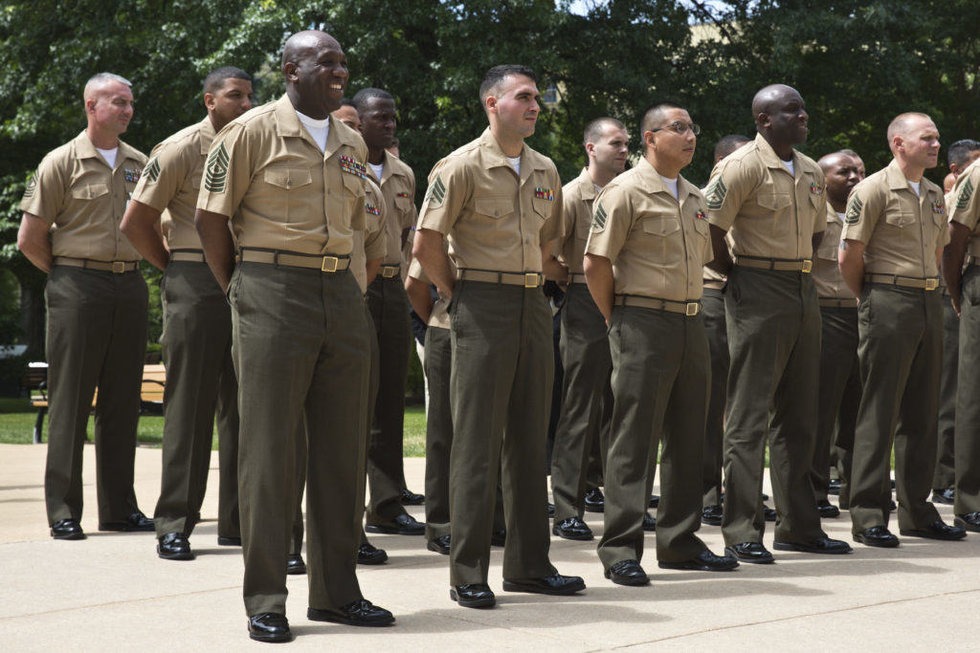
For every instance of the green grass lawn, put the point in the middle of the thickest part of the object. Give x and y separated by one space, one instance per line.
17 427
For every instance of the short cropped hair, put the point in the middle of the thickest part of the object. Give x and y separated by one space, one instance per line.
494 76
728 144
593 130
364 96
959 152
216 78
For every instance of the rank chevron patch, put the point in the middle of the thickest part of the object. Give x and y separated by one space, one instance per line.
216 172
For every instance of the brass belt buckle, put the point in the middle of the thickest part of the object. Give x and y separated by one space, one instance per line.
329 264
388 272
531 279
691 309
118 267
807 266
932 284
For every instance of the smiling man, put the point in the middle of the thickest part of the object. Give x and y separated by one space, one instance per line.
292 183
771 197
647 246
498 202
894 233
96 301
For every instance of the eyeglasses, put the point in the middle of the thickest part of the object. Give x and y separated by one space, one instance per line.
680 128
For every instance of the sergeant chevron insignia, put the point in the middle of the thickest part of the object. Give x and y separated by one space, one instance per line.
853 211
715 194
966 192
216 171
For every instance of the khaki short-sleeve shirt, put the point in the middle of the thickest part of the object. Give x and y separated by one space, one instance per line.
439 315
83 200
369 243
901 231
771 212
493 219
171 183
576 216
657 244
964 205
267 174
398 186
826 272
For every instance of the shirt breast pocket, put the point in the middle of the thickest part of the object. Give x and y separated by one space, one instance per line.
773 201
288 178
661 226
89 191
494 208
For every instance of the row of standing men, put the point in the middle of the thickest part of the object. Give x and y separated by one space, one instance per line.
299 217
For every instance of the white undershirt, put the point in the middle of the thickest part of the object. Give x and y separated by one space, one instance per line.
515 163
671 185
109 155
915 186
598 188
840 216
318 129
789 166
378 169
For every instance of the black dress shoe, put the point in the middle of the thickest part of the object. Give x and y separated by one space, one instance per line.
551 510
877 536
572 528
765 497
819 545
410 498
827 510
969 521
174 546
357 613
368 554
555 584
753 552
892 506
499 538
135 522
628 572
769 514
439 544
649 522
654 500
711 515
67 529
834 486
229 541
295 565
944 495
594 500
403 524
269 627
474 595
704 561
937 530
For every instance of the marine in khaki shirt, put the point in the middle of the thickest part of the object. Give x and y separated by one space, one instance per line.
964 285
894 231
196 340
291 181
96 304
370 245
646 250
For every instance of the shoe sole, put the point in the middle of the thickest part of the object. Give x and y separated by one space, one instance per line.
488 602
392 530
802 548
373 560
628 582
189 555
829 515
889 544
711 522
696 566
69 536
589 508
270 639
931 536
437 549
229 541
322 615
513 586
578 537
975 528
752 561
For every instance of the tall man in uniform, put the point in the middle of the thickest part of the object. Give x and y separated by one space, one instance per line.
771 197
647 246
840 378
97 306
390 312
894 232
498 202
587 398
713 315
959 155
291 182
964 289
196 339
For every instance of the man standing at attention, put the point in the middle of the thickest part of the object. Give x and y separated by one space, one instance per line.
499 204
97 305
196 323
587 401
894 233
771 197
291 182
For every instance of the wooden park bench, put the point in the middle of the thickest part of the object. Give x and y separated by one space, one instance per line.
36 378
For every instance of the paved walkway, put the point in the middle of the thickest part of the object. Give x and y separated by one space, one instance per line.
111 592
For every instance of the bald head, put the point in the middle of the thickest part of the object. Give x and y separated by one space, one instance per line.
770 97
840 175
98 84
304 44
833 160
904 124
315 69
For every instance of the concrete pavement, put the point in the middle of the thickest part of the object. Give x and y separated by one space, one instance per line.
111 592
